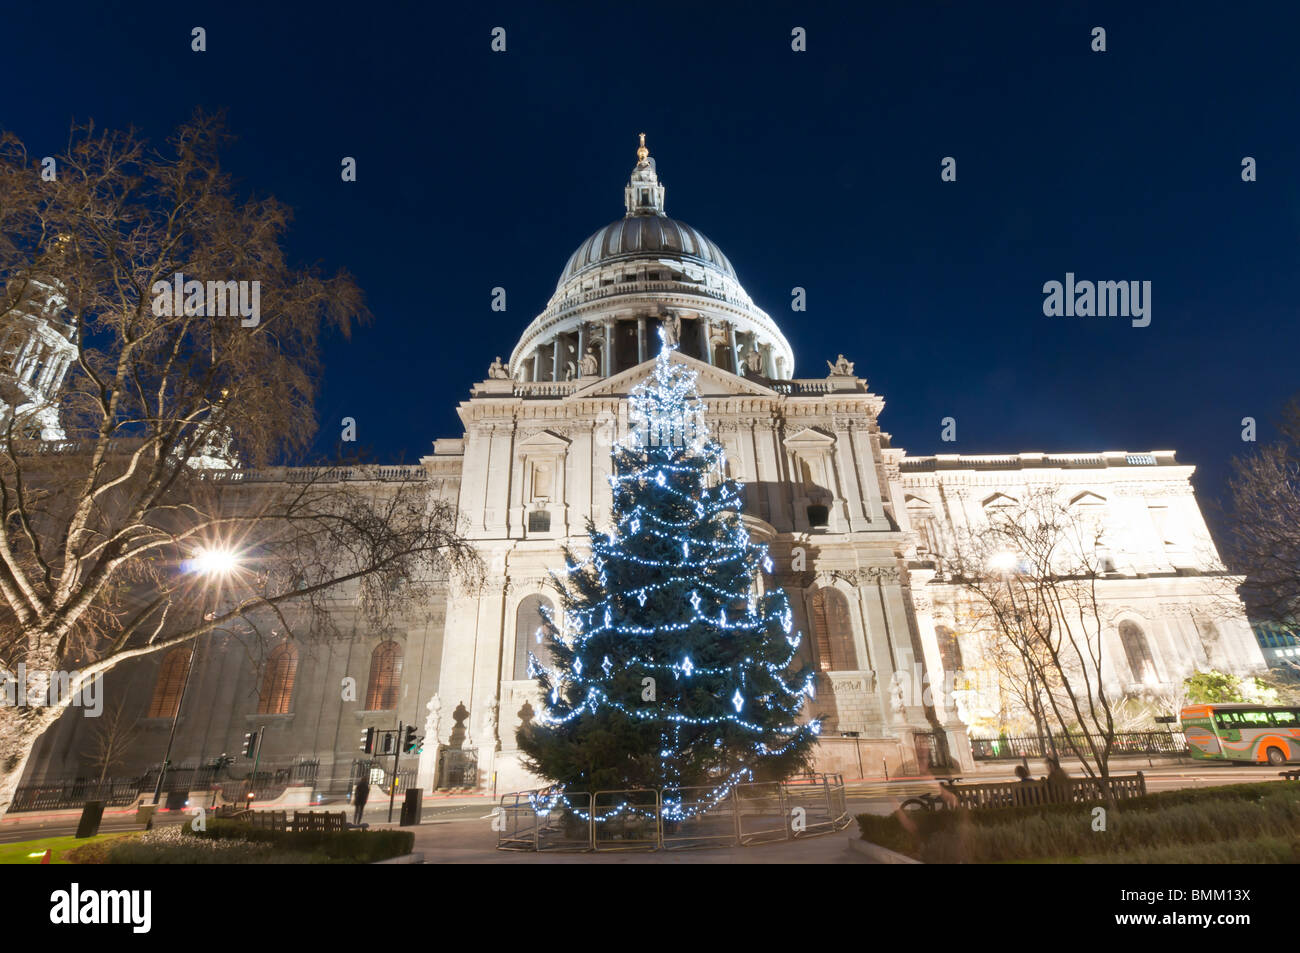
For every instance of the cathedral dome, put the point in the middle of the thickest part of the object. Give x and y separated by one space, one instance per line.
645 235
640 274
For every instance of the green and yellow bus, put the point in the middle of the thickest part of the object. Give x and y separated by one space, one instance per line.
1259 733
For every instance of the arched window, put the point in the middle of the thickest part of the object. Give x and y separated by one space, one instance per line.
949 649
1138 653
277 682
171 682
834 631
529 623
385 676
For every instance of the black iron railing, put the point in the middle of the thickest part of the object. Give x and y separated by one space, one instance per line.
1013 748
118 792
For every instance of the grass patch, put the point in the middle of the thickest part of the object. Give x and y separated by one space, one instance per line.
1244 823
17 853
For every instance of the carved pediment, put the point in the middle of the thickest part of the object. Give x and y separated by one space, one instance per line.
998 500
810 439
545 442
712 382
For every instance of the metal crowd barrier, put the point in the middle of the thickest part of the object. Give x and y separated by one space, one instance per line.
675 819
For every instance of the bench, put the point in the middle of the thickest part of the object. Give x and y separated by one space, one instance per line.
1290 775
319 821
1024 793
315 821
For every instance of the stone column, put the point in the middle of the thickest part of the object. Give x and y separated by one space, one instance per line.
706 333
537 364
607 355
640 338
735 349
555 358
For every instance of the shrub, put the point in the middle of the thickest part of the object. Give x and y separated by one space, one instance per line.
1173 823
232 842
350 846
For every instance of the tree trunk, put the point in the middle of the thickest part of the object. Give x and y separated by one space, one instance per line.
20 729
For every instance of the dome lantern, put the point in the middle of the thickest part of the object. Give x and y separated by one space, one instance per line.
643 195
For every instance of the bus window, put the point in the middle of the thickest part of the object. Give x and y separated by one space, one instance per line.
1256 718
1286 719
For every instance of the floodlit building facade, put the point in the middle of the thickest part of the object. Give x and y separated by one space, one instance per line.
859 532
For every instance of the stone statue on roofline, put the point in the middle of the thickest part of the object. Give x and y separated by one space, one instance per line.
841 367
498 371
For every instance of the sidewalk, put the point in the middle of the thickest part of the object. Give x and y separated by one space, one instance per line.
474 842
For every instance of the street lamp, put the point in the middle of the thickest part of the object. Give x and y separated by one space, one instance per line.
213 562
209 563
1003 562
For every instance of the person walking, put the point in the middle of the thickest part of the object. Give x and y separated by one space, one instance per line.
359 795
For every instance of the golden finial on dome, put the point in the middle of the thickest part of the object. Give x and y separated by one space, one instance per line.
642 153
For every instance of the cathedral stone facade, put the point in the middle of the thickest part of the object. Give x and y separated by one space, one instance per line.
857 529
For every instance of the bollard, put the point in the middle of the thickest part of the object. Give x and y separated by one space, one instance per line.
91 815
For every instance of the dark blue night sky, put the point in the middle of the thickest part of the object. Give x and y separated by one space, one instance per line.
816 169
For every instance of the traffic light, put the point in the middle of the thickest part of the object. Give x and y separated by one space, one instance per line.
389 742
250 743
409 742
368 741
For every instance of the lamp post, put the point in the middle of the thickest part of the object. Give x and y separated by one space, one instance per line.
208 562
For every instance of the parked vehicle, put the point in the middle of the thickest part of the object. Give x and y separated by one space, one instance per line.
1240 732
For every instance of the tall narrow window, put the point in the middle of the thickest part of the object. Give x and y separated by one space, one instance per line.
171 682
949 649
385 676
834 631
277 681
1140 662
531 634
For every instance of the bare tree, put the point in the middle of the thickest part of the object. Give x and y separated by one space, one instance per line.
1031 574
102 532
1264 525
113 735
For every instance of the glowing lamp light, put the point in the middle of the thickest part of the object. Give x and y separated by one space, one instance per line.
213 562
1003 562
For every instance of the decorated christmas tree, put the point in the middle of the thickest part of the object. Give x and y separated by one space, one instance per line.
670 658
